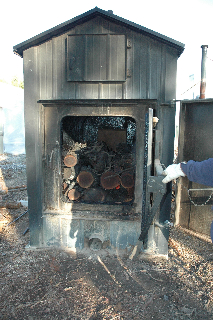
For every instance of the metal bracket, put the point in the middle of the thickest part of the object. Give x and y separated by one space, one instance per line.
155 184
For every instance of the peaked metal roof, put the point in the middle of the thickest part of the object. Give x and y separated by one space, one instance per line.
64 27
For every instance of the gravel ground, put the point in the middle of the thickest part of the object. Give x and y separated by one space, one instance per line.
56 284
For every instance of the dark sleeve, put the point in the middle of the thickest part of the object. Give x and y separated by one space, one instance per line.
200 172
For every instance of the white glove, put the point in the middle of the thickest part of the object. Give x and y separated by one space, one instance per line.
172 172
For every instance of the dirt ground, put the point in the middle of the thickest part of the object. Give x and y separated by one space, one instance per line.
56 284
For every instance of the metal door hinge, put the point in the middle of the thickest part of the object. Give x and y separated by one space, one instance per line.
129 44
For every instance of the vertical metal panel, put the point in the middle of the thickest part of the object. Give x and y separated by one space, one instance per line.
45 69
114 91
148 72
170 77
143 67
117 57
195 143
95 58
88 90
154 75
52 150
42 67
76 58
203 72
139 64
33 143
58 69
49 72
162 76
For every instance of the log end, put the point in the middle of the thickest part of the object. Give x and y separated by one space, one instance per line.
85 179
127 180
73 194
110 180
70 160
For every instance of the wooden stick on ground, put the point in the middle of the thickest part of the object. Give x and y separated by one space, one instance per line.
10 205
17 218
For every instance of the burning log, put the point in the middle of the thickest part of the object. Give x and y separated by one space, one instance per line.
70 160
85 179
110 180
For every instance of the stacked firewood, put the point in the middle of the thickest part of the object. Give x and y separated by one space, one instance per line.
96 174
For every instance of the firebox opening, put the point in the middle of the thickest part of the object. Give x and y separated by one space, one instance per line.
95 244
98 159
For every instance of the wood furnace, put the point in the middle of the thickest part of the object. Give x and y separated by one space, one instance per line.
90 83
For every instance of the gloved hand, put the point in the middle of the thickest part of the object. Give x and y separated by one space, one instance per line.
172 172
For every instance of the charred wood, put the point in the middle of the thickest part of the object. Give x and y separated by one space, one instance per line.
94 195
127 180
110 180
85 179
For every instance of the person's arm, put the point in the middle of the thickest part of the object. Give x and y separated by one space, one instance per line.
200 172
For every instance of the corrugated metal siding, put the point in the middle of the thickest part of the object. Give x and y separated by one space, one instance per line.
151 68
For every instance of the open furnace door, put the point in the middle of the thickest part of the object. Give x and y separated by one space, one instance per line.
153 191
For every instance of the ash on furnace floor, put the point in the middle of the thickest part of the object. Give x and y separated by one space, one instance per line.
55 284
